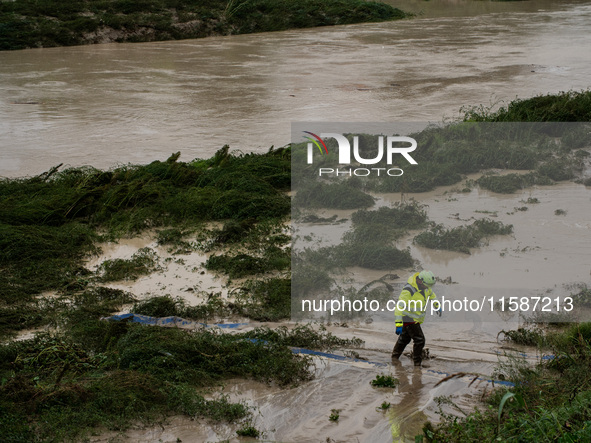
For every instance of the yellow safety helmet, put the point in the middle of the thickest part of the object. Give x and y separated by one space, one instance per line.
427 277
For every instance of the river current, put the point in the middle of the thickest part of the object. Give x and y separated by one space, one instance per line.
104 105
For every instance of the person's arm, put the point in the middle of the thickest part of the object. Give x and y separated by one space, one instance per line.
436 303
399 314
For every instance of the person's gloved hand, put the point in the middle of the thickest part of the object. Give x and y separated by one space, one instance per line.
439 312
398 330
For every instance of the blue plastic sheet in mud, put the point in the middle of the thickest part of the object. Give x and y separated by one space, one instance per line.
169 321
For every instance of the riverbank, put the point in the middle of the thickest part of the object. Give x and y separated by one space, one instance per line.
50 23
227 216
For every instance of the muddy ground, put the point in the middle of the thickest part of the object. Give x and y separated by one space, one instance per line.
544 255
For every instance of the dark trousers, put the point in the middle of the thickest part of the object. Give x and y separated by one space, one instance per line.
410 332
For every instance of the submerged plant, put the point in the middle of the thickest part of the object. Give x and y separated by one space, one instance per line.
242 265
143 262
341 195
461 238
334 415
384 381
248 431
523 336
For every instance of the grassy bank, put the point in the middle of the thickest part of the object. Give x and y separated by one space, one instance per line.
49 223
96 374
91 373
571 106
46 23
550 402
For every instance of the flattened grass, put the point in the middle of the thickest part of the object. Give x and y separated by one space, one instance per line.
242 265
342 195
49 223
138 373
461 238
144 261
265 300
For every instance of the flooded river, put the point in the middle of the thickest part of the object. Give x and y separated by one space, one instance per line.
118 103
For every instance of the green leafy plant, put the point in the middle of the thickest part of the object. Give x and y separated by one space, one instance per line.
334 415
384 406
507 397
248 431
384 381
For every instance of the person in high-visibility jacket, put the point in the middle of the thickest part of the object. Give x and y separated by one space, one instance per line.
410 313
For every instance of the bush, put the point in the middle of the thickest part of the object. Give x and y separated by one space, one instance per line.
461 238
384 381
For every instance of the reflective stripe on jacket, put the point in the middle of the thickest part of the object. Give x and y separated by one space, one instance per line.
412 302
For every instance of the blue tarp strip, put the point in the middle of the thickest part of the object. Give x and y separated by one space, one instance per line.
496 382
162 321
524 355
146 319
335 356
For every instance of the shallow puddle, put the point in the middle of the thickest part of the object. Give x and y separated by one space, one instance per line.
181 275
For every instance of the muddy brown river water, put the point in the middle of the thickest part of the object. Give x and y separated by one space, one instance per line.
117 103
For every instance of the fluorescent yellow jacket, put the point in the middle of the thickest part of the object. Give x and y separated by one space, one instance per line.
412 303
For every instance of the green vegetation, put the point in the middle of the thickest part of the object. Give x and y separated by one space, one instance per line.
461 238
342 195
242 265
334 415
525 336
45 23
49 223
555 169
90 373
550 402
369 244
260 299
248 431
265 300
303 336
510 183
384 381
113 374
546 152
397 219
174 238
166 306
129 373
143 262
571 106
385 406
583 297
